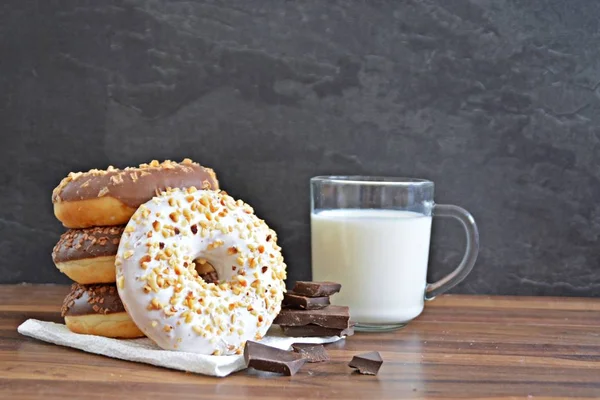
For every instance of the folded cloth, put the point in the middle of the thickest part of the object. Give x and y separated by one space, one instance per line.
145 351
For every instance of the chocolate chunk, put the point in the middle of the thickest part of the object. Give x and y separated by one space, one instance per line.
367 363
270 359
316 331
313 353
316 289
293 300
328 317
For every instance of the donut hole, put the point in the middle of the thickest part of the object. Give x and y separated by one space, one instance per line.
206 271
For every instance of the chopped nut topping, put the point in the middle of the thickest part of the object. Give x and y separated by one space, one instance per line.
155 303
197 329
103 192
144 261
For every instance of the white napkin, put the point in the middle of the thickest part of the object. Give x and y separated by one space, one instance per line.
145 351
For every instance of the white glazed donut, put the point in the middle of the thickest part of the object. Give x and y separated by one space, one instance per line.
160 287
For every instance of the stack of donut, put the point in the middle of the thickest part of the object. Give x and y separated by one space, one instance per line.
159 251
95 206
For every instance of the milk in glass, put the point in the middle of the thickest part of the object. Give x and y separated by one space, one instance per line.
380 258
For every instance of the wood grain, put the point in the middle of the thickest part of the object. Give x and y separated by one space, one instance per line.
461 347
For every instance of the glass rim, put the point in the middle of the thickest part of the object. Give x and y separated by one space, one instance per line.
371 180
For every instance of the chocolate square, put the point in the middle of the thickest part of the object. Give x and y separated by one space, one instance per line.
328 317
296 301
367 363
315 331
316 289
270 359
313 353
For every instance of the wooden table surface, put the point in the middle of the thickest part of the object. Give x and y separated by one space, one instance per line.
461 347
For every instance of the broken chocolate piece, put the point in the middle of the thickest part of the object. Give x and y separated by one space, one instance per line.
367 363
270 359
313 353
328 317
315 331
316 289
294 300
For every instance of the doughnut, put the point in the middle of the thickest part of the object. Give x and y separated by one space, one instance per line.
110 197
87 255
164 242
97 310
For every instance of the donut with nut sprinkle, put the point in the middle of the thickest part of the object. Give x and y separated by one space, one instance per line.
111 196
157 279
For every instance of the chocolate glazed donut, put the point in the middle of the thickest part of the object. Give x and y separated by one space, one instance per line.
110 197
98 310
87 256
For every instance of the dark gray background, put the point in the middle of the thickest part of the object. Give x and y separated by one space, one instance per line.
497 101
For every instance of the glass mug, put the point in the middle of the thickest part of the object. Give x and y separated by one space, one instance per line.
372 235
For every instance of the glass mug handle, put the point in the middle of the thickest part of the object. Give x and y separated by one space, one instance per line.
468 260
